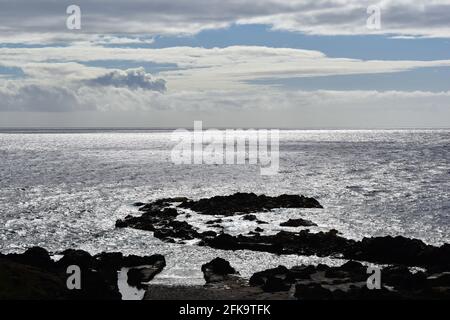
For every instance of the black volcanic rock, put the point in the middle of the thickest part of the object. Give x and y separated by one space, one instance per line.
136 276
401 250
349 281
33 275
75 257
34 256
156 260
240 203
27 282
398 250
160 217
304 242
260 278
298 223
217 270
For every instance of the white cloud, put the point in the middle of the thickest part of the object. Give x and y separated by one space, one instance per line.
329 17
199 68
40 98
270 107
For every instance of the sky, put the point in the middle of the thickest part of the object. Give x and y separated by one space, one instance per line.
235 63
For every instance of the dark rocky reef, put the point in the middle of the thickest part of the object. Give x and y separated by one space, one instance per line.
34 275
160 217
401 250
384 250
240 203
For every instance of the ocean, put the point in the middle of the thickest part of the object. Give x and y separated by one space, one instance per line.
66 188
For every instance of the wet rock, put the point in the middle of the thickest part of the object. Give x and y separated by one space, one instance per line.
400 250
76 257
109 260
217 270
409 252
34 256
137 276
304 242
154 260
260 278
160 219
402 278
240 203
353 266
297 223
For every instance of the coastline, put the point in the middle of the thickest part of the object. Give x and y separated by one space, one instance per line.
410 268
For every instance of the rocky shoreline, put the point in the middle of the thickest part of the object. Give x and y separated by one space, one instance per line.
161 217
34 274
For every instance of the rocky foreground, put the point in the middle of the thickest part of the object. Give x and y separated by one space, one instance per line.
35 275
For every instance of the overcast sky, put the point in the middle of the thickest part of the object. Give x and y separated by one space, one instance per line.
234 63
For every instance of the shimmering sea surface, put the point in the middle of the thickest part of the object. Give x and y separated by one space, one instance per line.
65 189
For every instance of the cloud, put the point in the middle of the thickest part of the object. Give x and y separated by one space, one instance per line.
160 17
38 98
270 107
197 68
130 78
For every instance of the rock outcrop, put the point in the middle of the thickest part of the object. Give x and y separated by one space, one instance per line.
34 275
